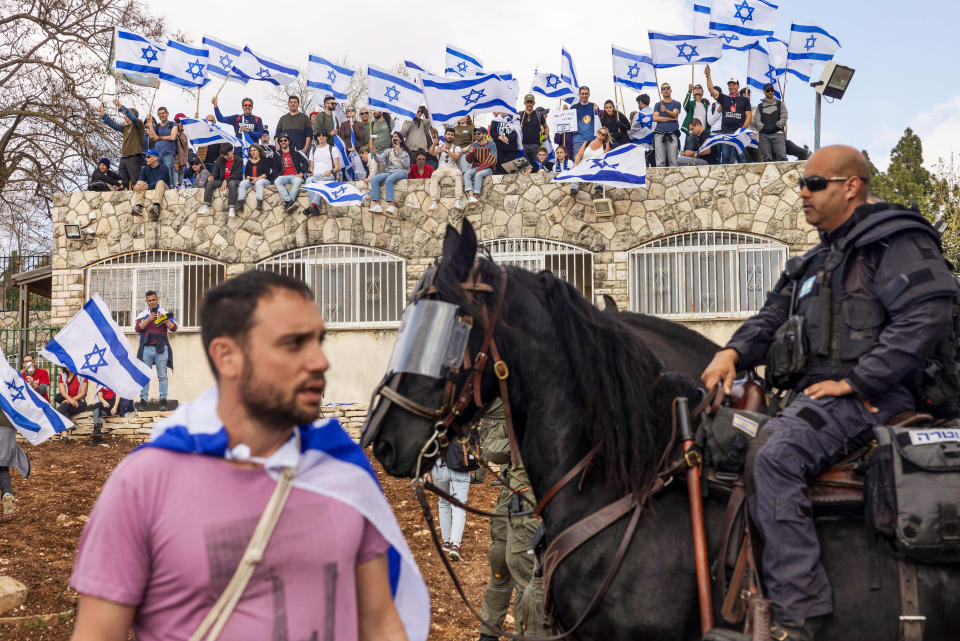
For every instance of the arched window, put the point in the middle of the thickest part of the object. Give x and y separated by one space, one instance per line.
354 286
708 274
180 280
567 262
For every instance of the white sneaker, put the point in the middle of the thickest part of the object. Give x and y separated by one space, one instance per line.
232 213
376 208
391 209
458 204
204 210
433 205
471 199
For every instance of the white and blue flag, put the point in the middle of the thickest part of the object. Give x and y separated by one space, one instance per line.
741 139
701 19
568 73
386 91
801 69
338 194
29 413
810 42
671 50
452 98
462 64
325 75
762 69
200 133
641 129
625 166
742 23
329 464
136 58
550 85
345 163
253 66
633 70
185 66
93 346
222 57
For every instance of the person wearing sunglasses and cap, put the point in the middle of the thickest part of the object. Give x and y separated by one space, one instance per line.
871 300
770 115
293 167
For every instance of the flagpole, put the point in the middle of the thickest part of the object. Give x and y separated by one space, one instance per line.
217 95
198 102
152 100
103 92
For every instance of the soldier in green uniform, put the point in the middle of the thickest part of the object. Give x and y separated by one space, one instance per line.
511 561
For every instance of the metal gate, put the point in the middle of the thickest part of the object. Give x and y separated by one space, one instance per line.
16 342
567 262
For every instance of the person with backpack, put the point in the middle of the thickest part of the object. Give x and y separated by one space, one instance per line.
770 118
242 123
451 473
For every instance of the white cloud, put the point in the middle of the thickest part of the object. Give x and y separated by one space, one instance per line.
939 129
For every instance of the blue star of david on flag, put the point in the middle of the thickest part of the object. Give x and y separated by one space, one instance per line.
462 67
553 81
600 163
686 51
473 97
771 74
811 43
739 15
195 69
96 352
392 94
264 74
17 390
646 120
729 37
633 71
149 53
339 191
332 76
226 62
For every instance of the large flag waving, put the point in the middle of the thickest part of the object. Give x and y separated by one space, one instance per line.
93 346
742 23
550 85
185 66
136 58
633 70
387 91
222 56
338 194
462 64
568 73
200 133
810 42
328 76
741 139
253 66
30 414
669 50
625 166
701 19
451 98
761 69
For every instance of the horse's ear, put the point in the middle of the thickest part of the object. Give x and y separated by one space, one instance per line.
451 240
610 305
460 250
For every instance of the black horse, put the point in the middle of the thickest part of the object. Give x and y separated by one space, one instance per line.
579 377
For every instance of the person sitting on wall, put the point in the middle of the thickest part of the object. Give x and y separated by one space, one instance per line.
152 325
36 377
109 404
103 178
71 396
153 176
227 174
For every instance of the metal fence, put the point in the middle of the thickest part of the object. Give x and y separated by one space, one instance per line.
354 286
708 274
567 262
16 343
15 264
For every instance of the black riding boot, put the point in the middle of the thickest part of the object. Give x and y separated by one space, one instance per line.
787 630
97 436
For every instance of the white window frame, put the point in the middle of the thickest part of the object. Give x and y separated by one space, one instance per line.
306 262
532 254
722 263
134 263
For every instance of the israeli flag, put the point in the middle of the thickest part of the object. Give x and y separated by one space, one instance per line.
253 66
136 58
93 346
29 413
246 141
550 85
389 92
328 76
329 464
742 23
625 166
761 70
568 73
669 50
342 153
222 57
633 70
185 66
701 19
461 64
741 139
777 50
338 194
641 129
800 69
810 42
451 98
200 133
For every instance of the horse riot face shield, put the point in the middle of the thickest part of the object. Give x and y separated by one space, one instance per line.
431 341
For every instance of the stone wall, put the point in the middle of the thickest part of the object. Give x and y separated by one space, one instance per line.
38 318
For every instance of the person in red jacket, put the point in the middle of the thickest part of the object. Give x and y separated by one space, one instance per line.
421 169
227 174
36 377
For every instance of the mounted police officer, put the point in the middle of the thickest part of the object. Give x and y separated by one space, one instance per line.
844 329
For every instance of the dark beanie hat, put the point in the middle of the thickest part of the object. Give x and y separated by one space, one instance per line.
105 161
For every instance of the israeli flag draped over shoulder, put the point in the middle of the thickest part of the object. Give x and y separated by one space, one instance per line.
254 66
185 66
742 23
200 133
338 194
389 92
330 464
810 42
451 98
550 85
632 69
92 345
136 58
762 69
328 76
222 56
672 50
741 139
625 166
641 129
31 415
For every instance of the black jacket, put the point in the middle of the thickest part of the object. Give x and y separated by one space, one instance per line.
300 162
111 178
236 168
266 168
618 126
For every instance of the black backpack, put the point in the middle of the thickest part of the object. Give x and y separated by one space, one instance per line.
462 457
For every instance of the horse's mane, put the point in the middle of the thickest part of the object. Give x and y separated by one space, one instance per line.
671 330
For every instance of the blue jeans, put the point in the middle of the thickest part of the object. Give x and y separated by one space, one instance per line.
452 518
167 161
294 181
473 179
730 155
314 197
151 358
390 179
245 186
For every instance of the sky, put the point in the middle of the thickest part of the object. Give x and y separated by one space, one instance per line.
895 48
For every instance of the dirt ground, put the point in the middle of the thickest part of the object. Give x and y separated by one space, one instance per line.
38 546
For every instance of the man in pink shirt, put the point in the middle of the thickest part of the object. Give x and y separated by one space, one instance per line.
174 519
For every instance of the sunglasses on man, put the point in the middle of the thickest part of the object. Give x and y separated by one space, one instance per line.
819 183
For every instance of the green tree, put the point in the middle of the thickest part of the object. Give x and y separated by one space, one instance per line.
906 181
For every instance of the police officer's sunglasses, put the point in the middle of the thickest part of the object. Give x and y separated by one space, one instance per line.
819 183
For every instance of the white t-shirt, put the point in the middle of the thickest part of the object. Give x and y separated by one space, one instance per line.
444 160
322 159
700 112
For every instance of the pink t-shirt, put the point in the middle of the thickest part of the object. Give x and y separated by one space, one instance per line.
168 532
